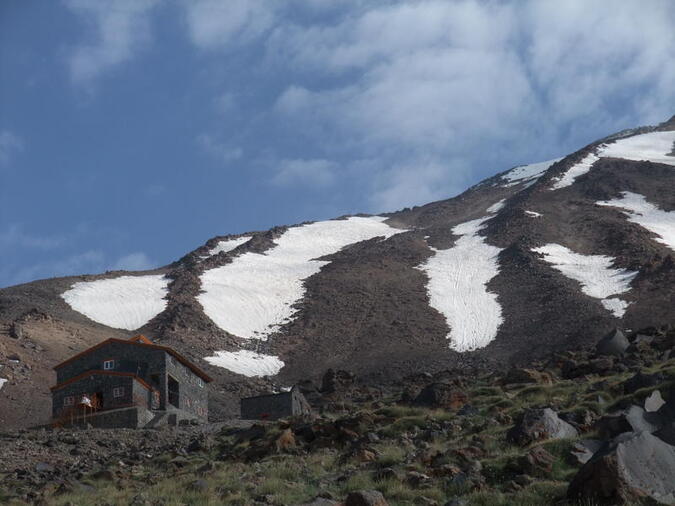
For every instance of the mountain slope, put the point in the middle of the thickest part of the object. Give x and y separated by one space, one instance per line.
526 262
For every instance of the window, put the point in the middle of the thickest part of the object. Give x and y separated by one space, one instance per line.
108 365
118 392
69 401
200 382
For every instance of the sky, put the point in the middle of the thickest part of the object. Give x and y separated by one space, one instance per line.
131 131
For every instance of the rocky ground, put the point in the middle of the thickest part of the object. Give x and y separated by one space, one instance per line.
593 427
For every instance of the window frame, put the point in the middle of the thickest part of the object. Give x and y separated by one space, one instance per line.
69 400
118 392
109 361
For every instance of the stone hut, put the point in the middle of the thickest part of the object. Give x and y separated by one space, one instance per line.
129 383
275 406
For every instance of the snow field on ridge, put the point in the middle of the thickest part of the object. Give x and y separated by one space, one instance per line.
457 286
228 245
127 302
652 146
247 363
527 172
253 295
576 170
647 215
595 273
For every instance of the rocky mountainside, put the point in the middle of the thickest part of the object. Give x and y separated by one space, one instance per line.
537 259
576 428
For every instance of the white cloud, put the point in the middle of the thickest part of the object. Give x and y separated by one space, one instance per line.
10 144
88 262
420 84
319 173
216 24
137 261
220 150
119 29
14 237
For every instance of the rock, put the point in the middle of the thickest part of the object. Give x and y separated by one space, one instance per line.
43 467
285 441
537 461
643 338
417 479
520 375
387 473
336 381
581 420
366 498
641 380
103 474
467 410
667 433
199 485
365 455
654 402
537 424
197 445
631 468
614 343
632 419
441 395
583 450
16 331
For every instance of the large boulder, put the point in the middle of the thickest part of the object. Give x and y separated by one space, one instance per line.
641 380
366 498
634 466
654 402
441 395
632 419
537 424
614 343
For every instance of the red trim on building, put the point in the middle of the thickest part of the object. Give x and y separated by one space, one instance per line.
103 373
140 341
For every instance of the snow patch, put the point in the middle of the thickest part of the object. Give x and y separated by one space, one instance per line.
228 245
2 382
527 172
127 302
533 214
496 207
576 170
615 306
254 294
247 363
595 273
654 147
457 287
647 215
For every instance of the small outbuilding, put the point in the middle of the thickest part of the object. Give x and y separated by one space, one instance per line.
129 383
275 406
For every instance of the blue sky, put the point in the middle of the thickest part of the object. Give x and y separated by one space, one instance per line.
131 131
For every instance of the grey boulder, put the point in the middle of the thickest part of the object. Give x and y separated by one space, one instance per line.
633 467
537 424
615 343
